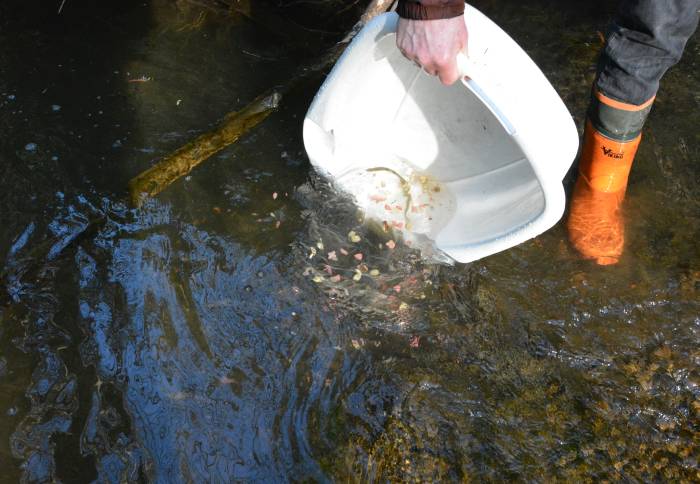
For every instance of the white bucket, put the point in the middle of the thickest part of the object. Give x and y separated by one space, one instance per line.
477 167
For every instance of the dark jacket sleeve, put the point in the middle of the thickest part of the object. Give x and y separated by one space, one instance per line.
430 9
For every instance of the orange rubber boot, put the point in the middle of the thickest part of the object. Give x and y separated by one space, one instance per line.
595 223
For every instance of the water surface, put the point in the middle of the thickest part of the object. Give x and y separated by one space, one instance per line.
189 340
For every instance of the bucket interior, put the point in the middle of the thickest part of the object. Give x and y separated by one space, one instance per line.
389 112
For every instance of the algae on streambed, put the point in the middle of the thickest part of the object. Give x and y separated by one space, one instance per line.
187 340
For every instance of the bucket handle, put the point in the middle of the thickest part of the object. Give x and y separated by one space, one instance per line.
478 81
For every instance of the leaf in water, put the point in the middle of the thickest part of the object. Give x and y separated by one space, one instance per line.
358 256
319 244
391 244
343 251
374 272
318 279
354 238
274 196
357 276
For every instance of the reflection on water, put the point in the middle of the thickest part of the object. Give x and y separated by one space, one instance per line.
222 332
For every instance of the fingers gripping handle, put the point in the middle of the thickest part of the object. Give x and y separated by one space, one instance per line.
477 79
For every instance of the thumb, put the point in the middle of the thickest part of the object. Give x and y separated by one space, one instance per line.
449 73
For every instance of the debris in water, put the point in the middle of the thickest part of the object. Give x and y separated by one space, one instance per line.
274 196
336 278
415 342
374 272
601 37
354 238
332 256
343 251
357 276
319 244
328 269
391 244
358 256
318 279
397 288
140 79
277 224
312 252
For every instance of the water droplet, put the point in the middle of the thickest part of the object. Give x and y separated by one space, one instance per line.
30 147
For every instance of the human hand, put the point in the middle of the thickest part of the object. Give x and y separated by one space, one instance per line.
434 45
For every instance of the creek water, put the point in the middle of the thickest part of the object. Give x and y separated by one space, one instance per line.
188 340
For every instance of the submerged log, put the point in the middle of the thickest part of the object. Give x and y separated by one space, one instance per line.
178 164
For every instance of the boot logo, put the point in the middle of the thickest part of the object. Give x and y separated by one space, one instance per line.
610 154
